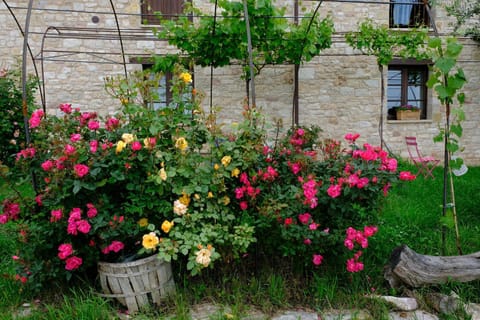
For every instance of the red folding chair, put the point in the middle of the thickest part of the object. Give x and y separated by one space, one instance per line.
425 165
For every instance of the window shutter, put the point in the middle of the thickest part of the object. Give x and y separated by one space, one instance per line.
170 9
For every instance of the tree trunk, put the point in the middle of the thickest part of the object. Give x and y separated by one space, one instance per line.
406 267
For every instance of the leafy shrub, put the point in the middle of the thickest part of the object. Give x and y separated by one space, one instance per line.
12 131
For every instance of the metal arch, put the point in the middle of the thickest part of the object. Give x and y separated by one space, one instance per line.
120 39
24 71
42 60
250 56
211 66
42 94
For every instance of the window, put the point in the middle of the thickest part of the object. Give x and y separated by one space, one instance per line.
168 8
160 94
409 13
407 85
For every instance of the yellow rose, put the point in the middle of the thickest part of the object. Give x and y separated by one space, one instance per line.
166 226
186 77
216 166
150 240
120 146
163 174
226 160
184 199
143 222
179 208
203 257
128 138
235 172
226 200
210 194
149 143
196 196
181 144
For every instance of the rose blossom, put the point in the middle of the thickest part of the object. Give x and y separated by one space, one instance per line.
93 125
66 108
56 215
73 263
304 218
83 226
47 165
64 251
317 259
81 170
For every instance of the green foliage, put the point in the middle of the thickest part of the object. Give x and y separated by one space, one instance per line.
220 42
447 80
101 186
12 131
465 13
385 43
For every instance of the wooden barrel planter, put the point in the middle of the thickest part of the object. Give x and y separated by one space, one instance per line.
137 283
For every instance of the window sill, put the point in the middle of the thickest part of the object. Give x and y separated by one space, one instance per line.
409 121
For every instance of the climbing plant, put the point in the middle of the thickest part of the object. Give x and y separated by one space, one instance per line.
447 79
465 13
385 44
220 41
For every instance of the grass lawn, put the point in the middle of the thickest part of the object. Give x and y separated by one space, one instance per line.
410 215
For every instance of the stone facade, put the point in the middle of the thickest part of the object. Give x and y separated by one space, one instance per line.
339 90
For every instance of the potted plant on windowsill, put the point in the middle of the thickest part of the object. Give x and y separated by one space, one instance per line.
408 112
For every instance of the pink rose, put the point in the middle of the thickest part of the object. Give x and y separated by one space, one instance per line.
243 205
75 215
304 218
317 259
348 244
352 137
83 226
288 221
307 242
75 137
81 170
47 165
136 145
116 246
73 263
3 218
72 228
407 176
93 125
111 124
92 211
66 108
64 251
69 149
369 231
56 215
334 190
93 146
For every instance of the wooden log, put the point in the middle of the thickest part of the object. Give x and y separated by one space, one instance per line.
408 268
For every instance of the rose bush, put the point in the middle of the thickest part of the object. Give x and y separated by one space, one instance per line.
104 184
305 193
171 182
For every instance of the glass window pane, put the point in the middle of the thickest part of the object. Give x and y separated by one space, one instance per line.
394 77
394 93
414 93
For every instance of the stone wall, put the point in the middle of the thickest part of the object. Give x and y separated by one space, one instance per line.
339 90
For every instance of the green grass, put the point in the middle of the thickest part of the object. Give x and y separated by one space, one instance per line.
410 215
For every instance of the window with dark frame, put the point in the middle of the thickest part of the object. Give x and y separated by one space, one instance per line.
409 14
162 92
169 9
407 86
